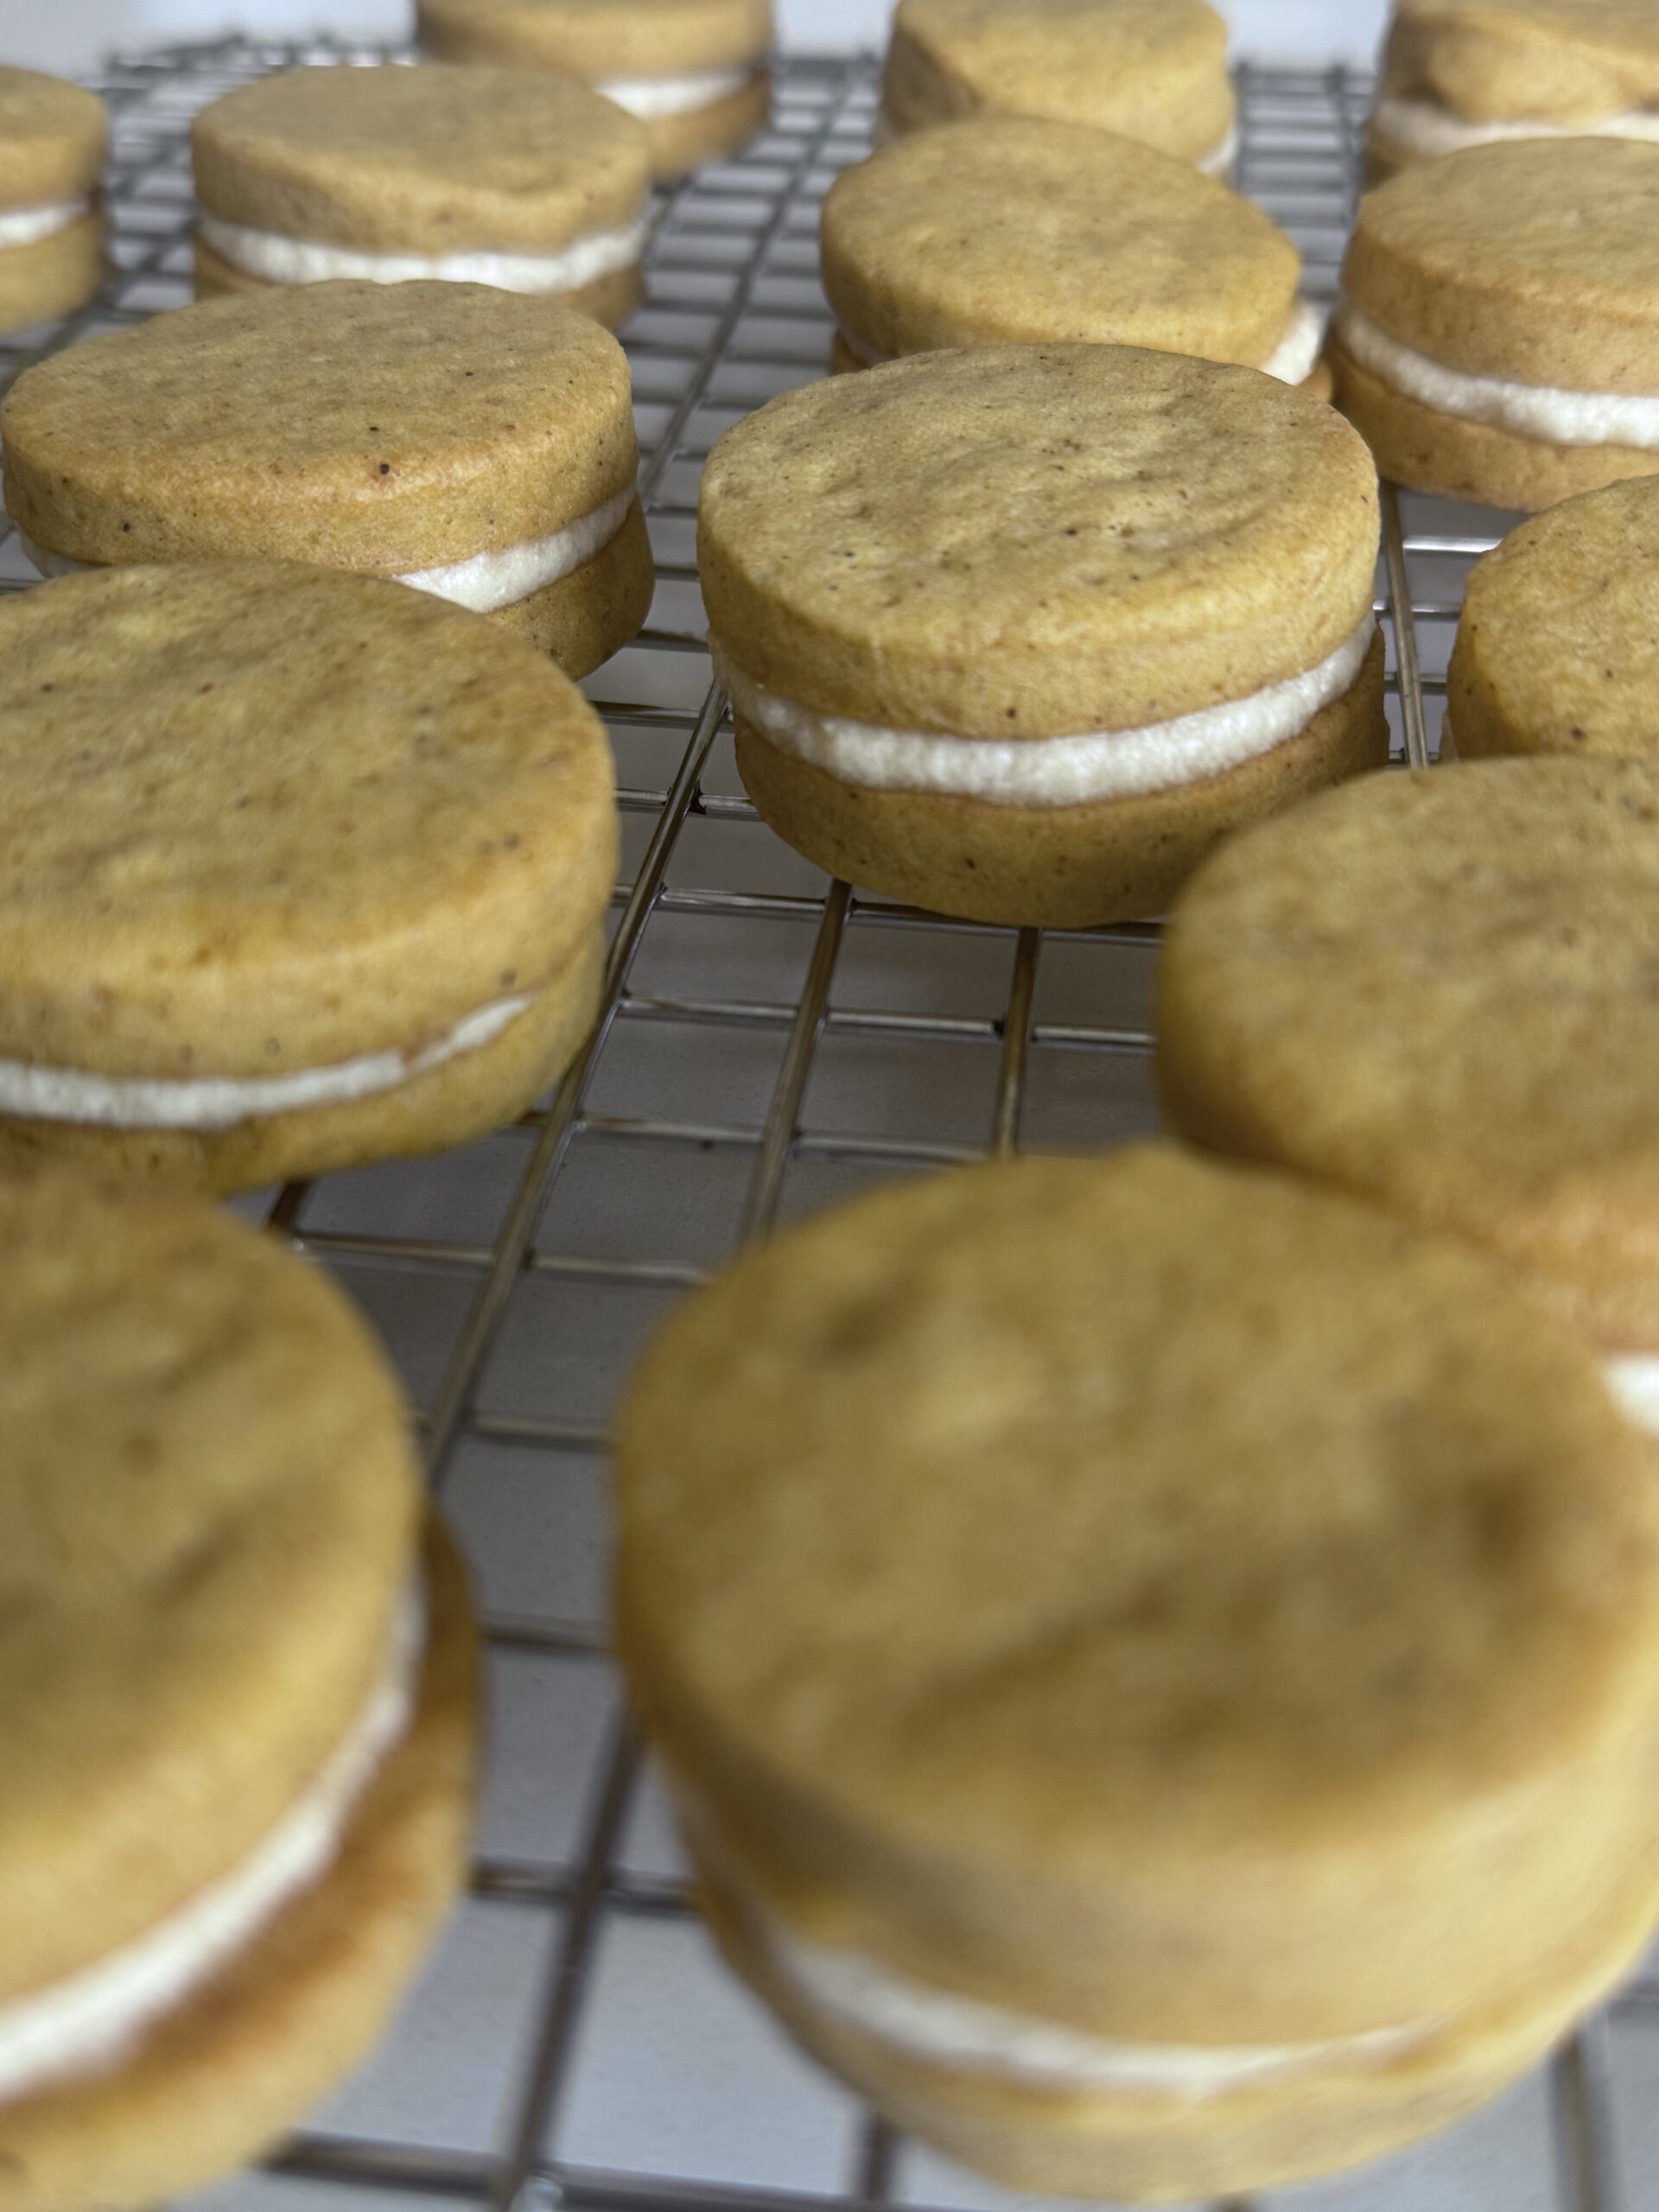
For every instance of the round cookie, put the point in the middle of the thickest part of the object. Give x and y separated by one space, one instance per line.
1498 339
1557 650
237 1720
488 176
1004 228
1436 991
1159 1666
694 72
1017 633
1470 72
297 870
52 138
1151 70
476 443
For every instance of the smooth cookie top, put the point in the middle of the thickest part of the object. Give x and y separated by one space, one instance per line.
380 427
1024 541
1558 647
1153 70
1006 228
431 160
207 1515
1536 261
1440 990
1501 60
52 139
598 39
1064 1539
263 818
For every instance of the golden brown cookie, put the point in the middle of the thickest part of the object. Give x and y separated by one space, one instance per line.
694 72
1471 72
1498 334
1158 1665
1436 991
1557 650
1004 228
476 443
210 1517
297 869
389 175
52 138
1019 631
1152 70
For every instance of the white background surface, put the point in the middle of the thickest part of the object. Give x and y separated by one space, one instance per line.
72 34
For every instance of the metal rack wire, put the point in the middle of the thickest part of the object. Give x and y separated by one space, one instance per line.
768 1041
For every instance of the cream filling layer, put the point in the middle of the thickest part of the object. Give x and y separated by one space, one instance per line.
1424 127
1527 411
27 226
1052 770
52 1094
649 97
483 581
1291 360
948 2029
279 260
93 2018
1633 1378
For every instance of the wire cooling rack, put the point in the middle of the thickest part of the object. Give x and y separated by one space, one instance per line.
769 1042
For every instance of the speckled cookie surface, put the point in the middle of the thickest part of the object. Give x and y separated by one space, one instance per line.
1537 262
1006 228
220 2078
1437 991
52 139
332 815
1039 1573
1015 542
1154 70
208 1502
1560 61
432 161
596 39
384 427
1557 650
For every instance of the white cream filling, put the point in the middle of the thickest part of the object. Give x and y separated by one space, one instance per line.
1424 127
94 2017
1528 410
1633 1378
279 260
1219 162
1052 770
1291 360
54 1093
483 582
949 2029
27 225
647 97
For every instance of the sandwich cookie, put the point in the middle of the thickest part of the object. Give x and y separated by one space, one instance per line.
1558 647
475 177
1018 633
694 72
237 1712
1151 70
1470 72
1003 228
52 138
1498 338
1158 1665
297 870
474 443
1437 992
